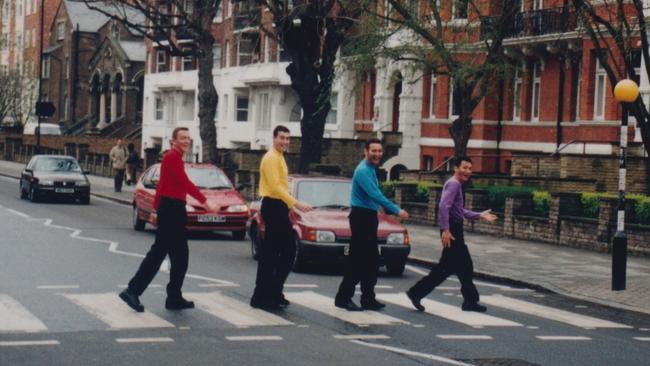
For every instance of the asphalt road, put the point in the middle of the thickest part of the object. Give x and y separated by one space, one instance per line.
63 265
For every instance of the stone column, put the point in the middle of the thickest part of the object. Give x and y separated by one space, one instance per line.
404 192
102 111
113 115
515 205
561 204
434 204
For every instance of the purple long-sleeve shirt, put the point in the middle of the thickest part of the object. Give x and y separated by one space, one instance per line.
452 204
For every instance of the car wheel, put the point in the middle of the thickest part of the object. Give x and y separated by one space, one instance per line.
299 261
396 269
32 195
239 234
23 194
255 242
138 223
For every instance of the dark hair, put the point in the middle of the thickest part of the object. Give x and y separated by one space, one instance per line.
130 146
278 129
175 132
372 141
459 159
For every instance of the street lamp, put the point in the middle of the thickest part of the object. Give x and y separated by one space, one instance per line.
625 92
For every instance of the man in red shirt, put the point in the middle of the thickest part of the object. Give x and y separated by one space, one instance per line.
171 234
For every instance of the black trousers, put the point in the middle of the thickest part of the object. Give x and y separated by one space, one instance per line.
277 252
118 179
171 239
363 263
454 260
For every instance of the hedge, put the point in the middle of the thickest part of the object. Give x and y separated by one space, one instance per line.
497 195
591 202
421 193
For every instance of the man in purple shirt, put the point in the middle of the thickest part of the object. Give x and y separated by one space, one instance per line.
455 255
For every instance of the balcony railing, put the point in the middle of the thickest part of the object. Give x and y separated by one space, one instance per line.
533 23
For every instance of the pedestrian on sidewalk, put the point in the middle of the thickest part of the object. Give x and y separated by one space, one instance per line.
171 233
363 263
455 258
118 157
278 247
131 164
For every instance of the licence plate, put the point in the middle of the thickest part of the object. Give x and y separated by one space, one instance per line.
346 250
64 190
211 218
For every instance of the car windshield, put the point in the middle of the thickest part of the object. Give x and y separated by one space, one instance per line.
208 178
56 165
325 193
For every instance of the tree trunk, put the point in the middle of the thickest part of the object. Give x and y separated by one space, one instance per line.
207 93
460 131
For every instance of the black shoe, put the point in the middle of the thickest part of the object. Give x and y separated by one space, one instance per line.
415 301
372 305
132 300
474 307
283 302
264 305
178 304
348 305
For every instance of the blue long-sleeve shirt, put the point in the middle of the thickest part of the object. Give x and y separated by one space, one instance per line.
366 192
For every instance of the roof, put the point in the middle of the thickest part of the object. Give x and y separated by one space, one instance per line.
90 20
135 51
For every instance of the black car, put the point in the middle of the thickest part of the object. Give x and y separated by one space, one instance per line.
54 176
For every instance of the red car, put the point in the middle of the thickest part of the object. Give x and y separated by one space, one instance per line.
324 233
214 184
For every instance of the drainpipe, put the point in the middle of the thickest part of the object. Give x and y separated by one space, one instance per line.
499 126
560 103
75 75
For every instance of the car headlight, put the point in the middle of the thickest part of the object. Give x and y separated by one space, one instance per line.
396 239
237 208
189 208
46 182
325 236
81 183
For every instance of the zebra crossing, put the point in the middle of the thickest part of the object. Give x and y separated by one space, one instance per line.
109 309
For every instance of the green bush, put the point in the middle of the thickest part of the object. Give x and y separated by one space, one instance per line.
497 195
642 209
590 202
422 191
388 188
541 203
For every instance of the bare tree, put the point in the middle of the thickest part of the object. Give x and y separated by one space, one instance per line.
6 96
17 99
169 24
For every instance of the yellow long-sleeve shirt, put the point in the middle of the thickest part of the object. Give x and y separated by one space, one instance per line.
273 177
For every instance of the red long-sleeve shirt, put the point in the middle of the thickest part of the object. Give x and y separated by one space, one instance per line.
174 182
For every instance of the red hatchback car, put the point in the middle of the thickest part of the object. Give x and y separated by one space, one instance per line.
214 184
324 233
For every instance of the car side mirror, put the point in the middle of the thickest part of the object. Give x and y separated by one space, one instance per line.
29 171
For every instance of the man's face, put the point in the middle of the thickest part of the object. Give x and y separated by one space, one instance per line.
119 142
281 141
464 171
182 141
373 153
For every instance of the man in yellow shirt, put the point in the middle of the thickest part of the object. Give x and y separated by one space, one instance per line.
278 248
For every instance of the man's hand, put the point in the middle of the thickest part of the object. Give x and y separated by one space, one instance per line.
487 215
403 214
212 207
153 217
302 206
447 238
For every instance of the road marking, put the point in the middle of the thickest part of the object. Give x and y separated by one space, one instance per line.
212 285
28 343
644 329
447 288
223 283
377 286
300 285
532 327
325 305
233 311
416 270
24 215
361 336
581 306
418 325
546 312
563 338
16 318
461 336
110 309
406 352
144 340
57 287
253 338
453 313
642 339
480 283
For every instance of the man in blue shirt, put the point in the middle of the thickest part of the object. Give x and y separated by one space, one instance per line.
363 263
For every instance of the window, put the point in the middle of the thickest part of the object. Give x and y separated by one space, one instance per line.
248 48
264 111
65 107
228 54
19 40
188 6
187 61
428 162
159 108
456 98
242 109
578 89
27 38
225 107
599 93
28 7
218 18
332 114
516 97
216 57
19 7
229 8
283 56
267 49
161 61
60 31
537 84
4 43
460 9
433 98
115 31
4 70
34 37
538 4
67 68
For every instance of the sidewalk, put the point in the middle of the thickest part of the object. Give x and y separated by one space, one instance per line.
574 272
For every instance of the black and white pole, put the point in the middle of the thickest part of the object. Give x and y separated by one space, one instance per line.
626 91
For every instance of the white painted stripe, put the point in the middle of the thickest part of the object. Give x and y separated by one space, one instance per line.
254 338
24 215
478 283
453 313
361 336
325 305
234 311
301 285
563 338
461 336
144 340
210 279
57 287
550 313
16 318
406 352
110 309
211 285
378 286
416 270
642 339
28 343
447 288
644 329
